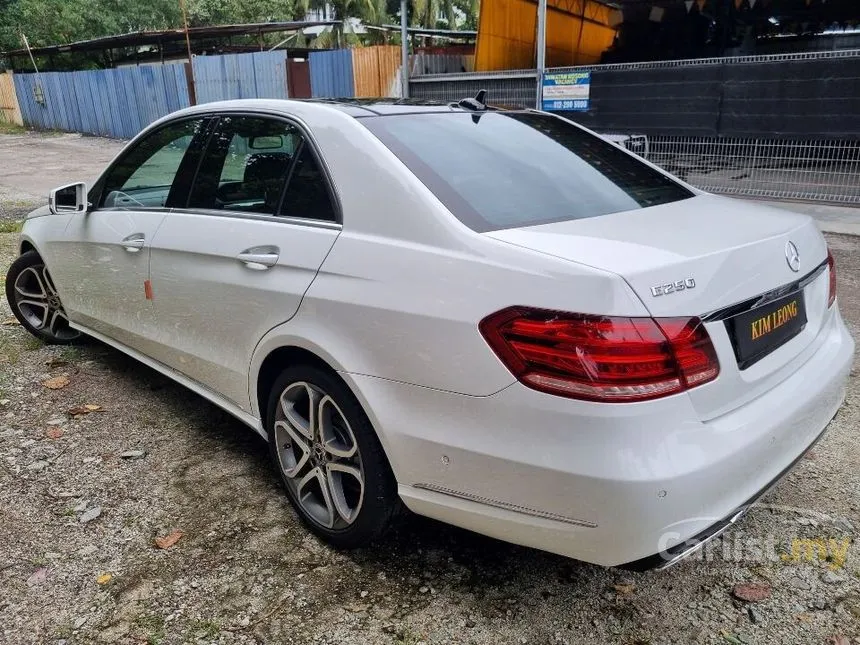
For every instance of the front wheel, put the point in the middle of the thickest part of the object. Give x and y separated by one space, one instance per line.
329 457
35 302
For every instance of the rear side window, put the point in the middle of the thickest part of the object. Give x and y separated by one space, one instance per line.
499 170
307 194
264 166
246 165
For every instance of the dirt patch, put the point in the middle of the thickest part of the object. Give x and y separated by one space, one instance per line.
246 571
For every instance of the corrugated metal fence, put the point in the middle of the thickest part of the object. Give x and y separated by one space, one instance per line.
120 102
111 102
422 63
376 70
261 75
515 88
9 111
331 73
360 72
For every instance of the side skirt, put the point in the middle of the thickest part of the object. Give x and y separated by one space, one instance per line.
228 406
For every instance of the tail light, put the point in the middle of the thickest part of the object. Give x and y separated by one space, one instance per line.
831 266
600 358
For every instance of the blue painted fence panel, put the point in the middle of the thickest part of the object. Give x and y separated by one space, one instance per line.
121 102
261 75
331 74
112 102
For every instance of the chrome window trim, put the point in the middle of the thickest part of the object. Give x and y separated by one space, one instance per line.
758 301
296 221
126 209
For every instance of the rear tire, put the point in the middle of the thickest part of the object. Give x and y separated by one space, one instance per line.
329 458
35 302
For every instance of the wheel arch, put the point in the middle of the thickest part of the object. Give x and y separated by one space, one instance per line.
25 246
274 359
273 364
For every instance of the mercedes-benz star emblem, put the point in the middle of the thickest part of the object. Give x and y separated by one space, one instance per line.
792 256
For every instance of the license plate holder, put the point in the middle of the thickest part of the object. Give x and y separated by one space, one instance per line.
758 332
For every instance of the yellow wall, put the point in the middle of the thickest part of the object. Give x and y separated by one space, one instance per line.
9 110
507 29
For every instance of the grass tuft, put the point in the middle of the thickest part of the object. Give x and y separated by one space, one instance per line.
11 128
10 350
10 226
71 354
153 625
31 343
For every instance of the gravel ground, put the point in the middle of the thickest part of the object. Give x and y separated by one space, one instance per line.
78 563
32 163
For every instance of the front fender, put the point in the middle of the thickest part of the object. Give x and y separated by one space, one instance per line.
40 229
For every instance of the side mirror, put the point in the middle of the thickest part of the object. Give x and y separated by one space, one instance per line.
68 199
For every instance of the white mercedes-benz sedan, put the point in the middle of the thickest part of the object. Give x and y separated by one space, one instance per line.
494 318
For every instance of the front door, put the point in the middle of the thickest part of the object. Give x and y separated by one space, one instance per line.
103 269
238 259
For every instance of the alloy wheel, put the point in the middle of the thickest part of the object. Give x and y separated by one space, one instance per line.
39 303
318 455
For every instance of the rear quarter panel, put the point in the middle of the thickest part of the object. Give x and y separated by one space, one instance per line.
405 285
410 313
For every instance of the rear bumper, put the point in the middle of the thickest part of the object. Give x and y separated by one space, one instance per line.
678 552
607 484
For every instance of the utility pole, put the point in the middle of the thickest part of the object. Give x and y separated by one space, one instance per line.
404 50
541 50
189 69
39 90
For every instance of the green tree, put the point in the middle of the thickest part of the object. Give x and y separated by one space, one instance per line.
369 11
426 13
469 9
51 22
220 12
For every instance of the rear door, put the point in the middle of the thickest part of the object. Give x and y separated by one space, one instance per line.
237 258
102 263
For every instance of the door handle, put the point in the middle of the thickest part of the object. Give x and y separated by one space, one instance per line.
134 242
260 258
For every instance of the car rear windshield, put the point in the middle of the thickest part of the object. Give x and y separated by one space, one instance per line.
497 170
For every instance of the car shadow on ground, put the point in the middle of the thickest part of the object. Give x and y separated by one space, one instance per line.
421 542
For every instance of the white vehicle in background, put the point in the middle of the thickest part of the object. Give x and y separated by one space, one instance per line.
495 318
637 143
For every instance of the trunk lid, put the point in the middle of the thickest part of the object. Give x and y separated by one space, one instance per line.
734 251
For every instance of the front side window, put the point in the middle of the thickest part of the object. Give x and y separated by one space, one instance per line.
147 174
263 166
499 170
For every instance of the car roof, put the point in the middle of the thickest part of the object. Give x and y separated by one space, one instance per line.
385 106
357 108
